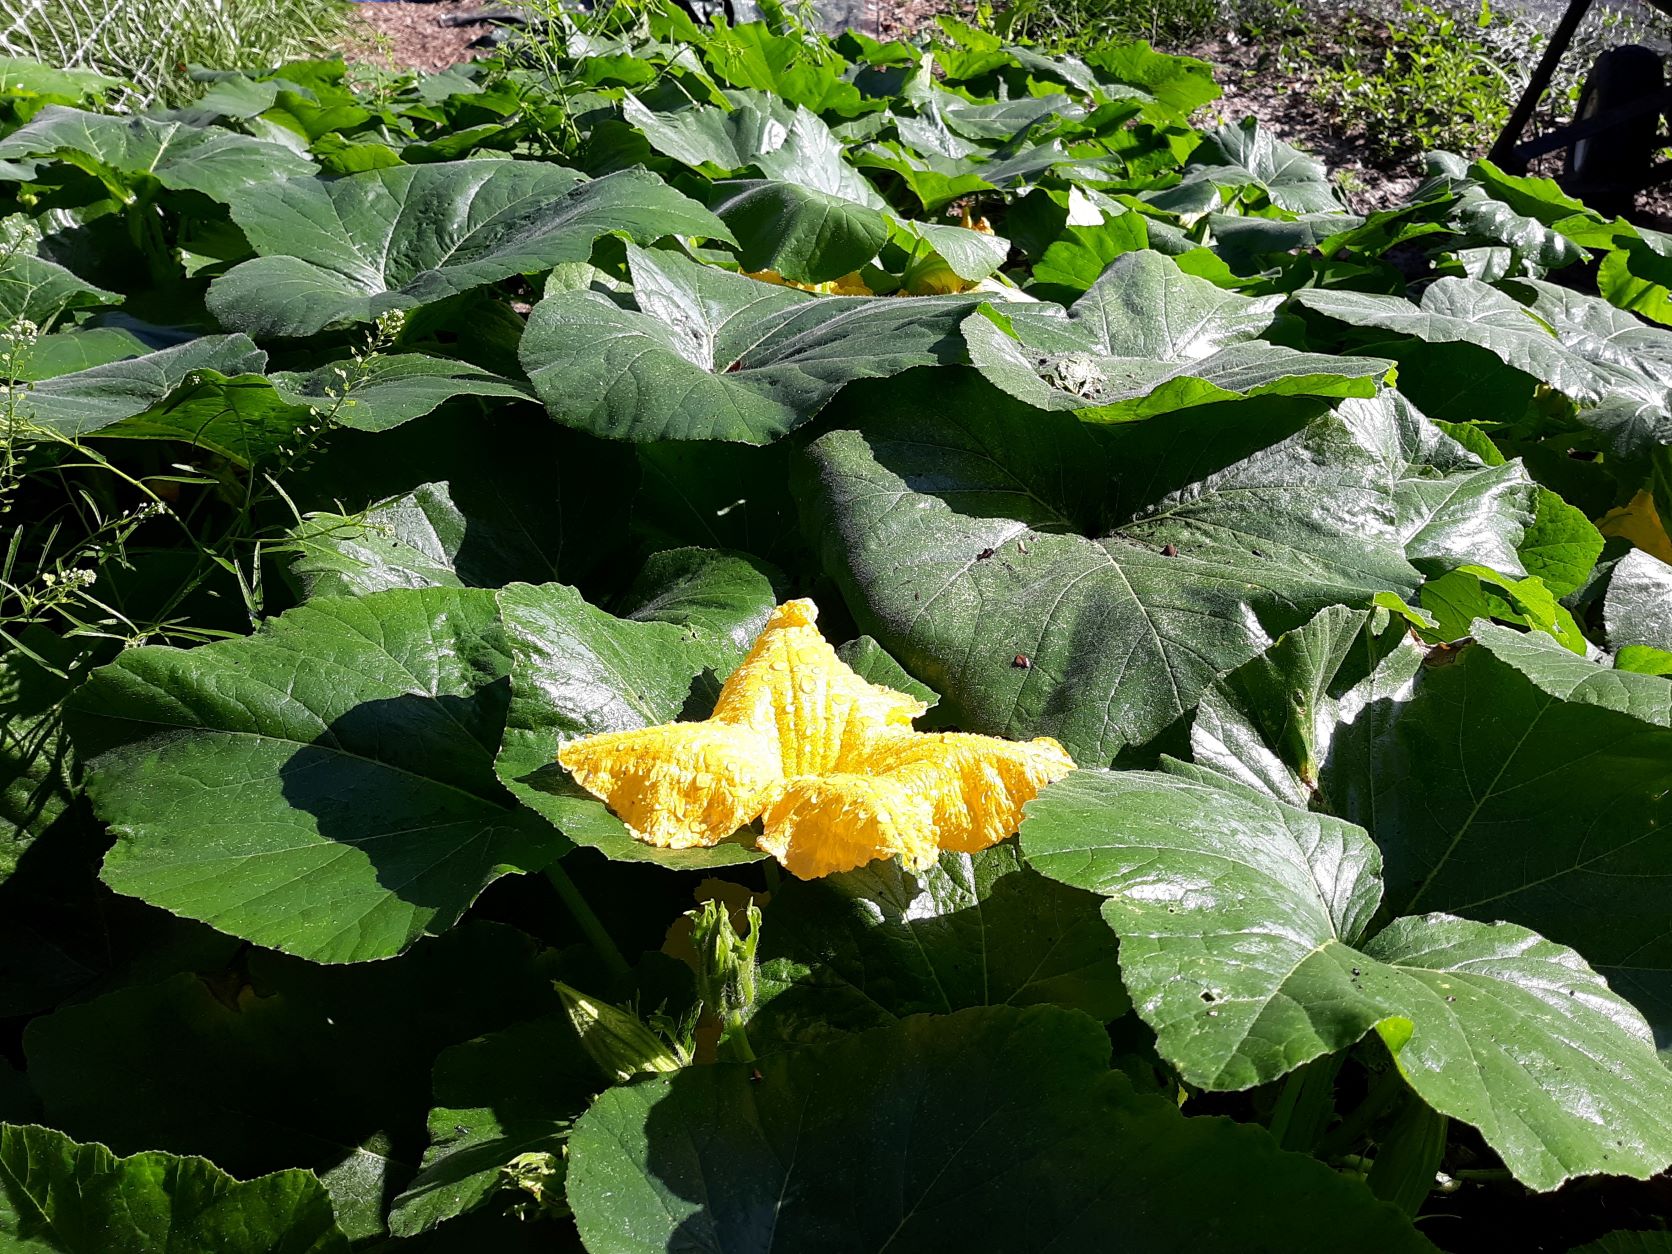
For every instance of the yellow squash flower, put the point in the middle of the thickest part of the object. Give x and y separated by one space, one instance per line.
850 284
1639 522
827 761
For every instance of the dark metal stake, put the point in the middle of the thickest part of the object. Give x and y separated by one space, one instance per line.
1503 151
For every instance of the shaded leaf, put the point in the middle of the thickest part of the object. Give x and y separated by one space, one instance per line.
867 947
325 786
962 1115
57 1195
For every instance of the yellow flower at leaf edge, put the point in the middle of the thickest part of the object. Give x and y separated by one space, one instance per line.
826 760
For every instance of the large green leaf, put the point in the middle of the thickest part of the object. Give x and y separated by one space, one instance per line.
802 233
867 947
1614 366
424 539
1242 923
60 1197
207 159
1180 84
1637 608
558 510
1506 782
927 1135
708 355
1250 157
349 249
719 600
331 1064
1561 546
1268 723
1566 676
324 787
785 143
34 289
1148 338
1126 567
1454 510
89 400
578 671
513 1092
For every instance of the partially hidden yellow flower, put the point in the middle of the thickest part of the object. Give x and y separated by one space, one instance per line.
826 760
1639 522
850 284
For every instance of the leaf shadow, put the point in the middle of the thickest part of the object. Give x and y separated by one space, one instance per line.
408 782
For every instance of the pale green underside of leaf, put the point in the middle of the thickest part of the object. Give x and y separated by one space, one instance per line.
709 355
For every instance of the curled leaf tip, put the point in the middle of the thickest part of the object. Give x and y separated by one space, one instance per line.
825 759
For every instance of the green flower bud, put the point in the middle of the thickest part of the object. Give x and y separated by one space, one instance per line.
614 1039
726 972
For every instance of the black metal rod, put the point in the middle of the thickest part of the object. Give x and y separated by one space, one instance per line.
1503 151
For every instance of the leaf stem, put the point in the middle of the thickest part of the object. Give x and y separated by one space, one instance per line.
1305 1104
592 927
733 1045
1384 1091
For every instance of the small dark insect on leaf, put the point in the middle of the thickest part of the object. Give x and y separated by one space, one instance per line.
1169 550
1355 970
984 555
755 1076
734 367
460 1130
1021 662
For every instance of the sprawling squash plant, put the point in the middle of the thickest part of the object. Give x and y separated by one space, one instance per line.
1201 657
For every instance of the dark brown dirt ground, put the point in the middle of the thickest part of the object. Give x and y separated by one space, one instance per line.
402 35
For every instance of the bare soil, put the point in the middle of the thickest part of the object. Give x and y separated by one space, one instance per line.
1256 85
405 35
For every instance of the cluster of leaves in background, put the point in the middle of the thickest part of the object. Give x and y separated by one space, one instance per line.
367 445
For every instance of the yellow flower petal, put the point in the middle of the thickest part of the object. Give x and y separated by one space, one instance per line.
1639 522
826 760
793 689
681 784
850 284
976 786
818 825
